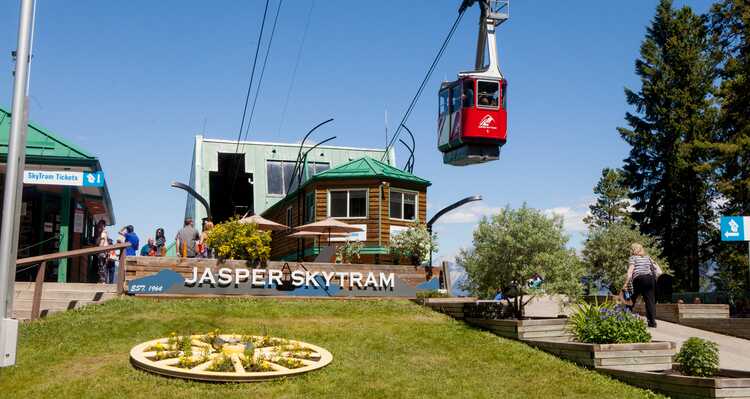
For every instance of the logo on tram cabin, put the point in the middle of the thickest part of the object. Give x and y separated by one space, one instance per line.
488 122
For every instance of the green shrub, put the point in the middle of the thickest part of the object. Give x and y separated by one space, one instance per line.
432 294
243 241
608 323
698 357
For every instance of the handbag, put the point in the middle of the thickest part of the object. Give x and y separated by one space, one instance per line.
653 268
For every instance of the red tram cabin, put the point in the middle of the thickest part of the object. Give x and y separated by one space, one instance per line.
472 122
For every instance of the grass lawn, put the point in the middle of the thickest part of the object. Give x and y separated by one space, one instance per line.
381 349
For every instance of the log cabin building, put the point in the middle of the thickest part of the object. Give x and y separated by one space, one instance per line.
367 193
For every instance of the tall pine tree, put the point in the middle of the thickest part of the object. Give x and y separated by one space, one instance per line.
669 133
611 200
730 23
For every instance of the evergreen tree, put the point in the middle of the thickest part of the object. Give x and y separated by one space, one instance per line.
669 133
611 200
730 23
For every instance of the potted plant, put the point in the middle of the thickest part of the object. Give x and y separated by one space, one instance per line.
415 243
349 251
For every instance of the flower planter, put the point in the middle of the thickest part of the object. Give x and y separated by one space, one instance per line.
728 384
679 312
453 307
552 329
735 327
710 317
635 357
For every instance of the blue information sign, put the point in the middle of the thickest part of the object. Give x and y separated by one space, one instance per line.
93 179
735 228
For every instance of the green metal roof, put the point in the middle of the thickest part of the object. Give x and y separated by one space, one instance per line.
368 168
43 144
361 168
44 147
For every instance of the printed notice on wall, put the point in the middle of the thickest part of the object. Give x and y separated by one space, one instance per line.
78 221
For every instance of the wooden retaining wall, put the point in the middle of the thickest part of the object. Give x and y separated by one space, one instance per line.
453 307
735 327
677 312
634 357
526 330
730 383
710 317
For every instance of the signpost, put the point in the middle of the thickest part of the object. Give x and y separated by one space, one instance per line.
737 228
14 186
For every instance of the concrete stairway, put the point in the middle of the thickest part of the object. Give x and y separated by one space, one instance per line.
58 297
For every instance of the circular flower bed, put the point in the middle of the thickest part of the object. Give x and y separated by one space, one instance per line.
228 357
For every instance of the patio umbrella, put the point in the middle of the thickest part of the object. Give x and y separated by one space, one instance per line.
329 226
304 234
263 223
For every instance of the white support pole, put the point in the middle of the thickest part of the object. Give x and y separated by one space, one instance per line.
14 186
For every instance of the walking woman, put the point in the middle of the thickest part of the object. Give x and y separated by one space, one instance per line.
642 273
160 242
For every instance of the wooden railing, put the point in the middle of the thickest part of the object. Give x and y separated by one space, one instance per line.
43 259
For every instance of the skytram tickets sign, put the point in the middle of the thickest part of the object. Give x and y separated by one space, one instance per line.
63 178
277 282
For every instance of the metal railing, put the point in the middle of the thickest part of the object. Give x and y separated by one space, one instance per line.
43 259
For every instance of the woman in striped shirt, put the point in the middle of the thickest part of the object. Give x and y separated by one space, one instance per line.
642 272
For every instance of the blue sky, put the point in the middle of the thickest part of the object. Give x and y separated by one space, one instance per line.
134 81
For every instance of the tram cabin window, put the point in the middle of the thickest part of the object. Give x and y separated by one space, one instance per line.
456 98
468 94
505 94
444 98
488 93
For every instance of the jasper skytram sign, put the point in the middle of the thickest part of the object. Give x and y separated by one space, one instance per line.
277 282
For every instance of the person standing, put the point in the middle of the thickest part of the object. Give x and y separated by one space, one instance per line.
160 241
111 260
642 272
206 252
187 239
102 240
129 236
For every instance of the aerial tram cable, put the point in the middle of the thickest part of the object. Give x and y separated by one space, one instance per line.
247 95
263 69
296 65
257 92
424 83
252 76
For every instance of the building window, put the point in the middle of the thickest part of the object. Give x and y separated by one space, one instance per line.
313 168
289 217
403 205
310 207
279 175
347 203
